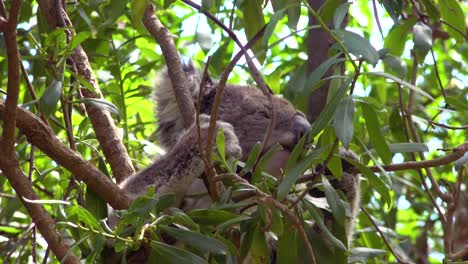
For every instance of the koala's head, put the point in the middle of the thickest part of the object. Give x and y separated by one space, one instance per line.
249 111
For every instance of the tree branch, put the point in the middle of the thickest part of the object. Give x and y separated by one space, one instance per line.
8 162
42 136
106 132
174 66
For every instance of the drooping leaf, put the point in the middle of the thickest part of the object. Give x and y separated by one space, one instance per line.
271 26
358 45
396 39
197 240
344 121
318 218
340 14
294 13
287 246
49 100
293 174
395 65
336 205
211 216
327 10
422 39
254 22
431 10
173 255
375 133
326 115
100 103
452 13
393 8
78 39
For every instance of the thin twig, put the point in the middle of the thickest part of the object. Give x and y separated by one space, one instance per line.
399 259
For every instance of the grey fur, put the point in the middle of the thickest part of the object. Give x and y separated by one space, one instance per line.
244 115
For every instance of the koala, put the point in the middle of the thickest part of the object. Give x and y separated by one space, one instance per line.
243 116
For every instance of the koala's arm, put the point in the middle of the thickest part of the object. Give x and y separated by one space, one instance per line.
182 164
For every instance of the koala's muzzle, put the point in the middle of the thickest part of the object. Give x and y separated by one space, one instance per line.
300 127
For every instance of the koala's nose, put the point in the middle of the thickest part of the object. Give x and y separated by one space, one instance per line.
301 126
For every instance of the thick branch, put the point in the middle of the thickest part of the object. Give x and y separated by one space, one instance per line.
41 135
174 66
39 215
106 132
8 163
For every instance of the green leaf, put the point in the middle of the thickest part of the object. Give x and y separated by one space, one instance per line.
253 156
253 23
172 255
358 45
400 81
396 39
95 204
395 65
296 153
344 121
431 10
138 10
393 8
375 133
328 112
287 246
333 199
294 13
340 14
78 39
220 141
113 11
293 174
197 240
318 218
327 10
375 182
315 77
422 38
79 214
259 247
408 147
270 28
211 216
222 227
100 103
452 13
49 100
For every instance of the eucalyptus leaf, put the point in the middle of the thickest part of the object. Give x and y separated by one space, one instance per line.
344 121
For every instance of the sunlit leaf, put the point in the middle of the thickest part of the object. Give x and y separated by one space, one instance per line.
375 133
396 39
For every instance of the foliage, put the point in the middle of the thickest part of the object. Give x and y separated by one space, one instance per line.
400 72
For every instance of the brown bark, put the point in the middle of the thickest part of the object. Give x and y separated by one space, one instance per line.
8 162
106 132
174 66
318 42
44 222
42 136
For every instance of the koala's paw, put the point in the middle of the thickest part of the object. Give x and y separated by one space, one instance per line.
231 142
